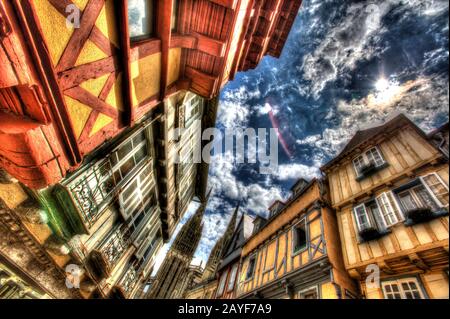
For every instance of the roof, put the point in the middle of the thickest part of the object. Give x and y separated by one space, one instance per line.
441 128
393 121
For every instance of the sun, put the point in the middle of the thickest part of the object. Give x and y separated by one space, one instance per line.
382 85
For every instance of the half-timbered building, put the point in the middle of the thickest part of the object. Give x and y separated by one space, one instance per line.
295 253
389 187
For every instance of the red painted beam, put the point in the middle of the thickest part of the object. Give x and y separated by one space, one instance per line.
163 30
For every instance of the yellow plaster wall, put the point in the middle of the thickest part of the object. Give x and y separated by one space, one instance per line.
145 75
79 114
174 65
54 28
107 23
90 53
328 291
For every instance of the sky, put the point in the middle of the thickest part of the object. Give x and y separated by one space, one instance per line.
346 65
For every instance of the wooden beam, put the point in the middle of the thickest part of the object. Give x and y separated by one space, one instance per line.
163 30
80 35
125 58
230 4
92 101
74 77
209 45
34 39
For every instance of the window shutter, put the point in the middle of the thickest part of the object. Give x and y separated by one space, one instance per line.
387 211
437 188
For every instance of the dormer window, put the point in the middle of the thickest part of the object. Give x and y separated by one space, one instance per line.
368 162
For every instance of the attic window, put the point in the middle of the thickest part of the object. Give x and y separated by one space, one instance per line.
300 237
368 162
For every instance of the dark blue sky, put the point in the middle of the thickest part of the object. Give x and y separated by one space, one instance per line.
324 87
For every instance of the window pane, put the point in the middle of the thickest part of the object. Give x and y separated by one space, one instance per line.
140 154
124 150
425 198
174 15
407 200
362 218
374 156
140 18
300 239
126 168
438 189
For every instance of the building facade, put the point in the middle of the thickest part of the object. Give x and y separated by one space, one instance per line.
295 254
205 288
92 95
230 265
389 187
172 280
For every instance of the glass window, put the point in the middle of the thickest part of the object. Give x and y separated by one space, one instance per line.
417 197
437 187
222 282
407 288
141 15
362 218
300 236
358 163
174 21
251 267
374 156
387 210
311 293
233 276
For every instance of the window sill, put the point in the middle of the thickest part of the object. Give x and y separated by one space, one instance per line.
136 42
372 172
298 251
436 214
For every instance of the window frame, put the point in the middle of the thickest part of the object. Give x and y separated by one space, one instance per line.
145 37
382 206
366 161
307 290
222 283
355 214
399 282
430 191
247 276
295 251
233 276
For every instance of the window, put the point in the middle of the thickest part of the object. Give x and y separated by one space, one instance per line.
437 187
385 203
371 157
141 15
174 21
311 293
362 218
428 191
407 288
379 213
233 276
416 197
222 282
300 237
251 268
